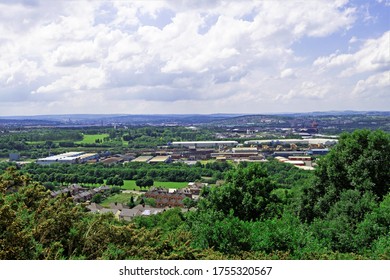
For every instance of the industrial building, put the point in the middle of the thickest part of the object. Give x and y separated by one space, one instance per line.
160 159
318 152
142 159
198 144
311 141
69 157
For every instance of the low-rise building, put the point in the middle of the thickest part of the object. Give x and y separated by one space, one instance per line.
318 152
160 159
142 159
195 187
164 198
69 157
199 144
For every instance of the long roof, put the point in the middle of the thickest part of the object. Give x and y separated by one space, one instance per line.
203 142
63 156
308 141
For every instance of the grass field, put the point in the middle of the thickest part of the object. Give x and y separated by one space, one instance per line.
91 138
130 185
119 198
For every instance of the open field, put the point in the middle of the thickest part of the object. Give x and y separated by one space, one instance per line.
130 185
91 138
119 198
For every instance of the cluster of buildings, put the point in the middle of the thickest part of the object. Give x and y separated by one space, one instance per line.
164 198
251 150
191 151
174 197
82 157
80 194
306 141
301 162
123 212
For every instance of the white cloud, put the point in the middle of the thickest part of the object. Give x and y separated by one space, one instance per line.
377 85
307 90
385 2
83 78
372 56
75 54
214 53
287 73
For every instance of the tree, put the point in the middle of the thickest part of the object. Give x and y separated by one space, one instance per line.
188 202
131 203
214 229
247 192
144 182
35 226
359 162
97 198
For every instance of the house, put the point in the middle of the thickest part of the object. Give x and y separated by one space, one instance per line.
118 206
128 214
94 208
152 211
196 187
102 189
165 198
115 212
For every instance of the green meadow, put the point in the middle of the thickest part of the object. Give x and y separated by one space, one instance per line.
91 138
119 198
130 185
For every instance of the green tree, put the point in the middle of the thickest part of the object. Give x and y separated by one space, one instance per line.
225 233
247 192
97 198
144 182
360 162
188 202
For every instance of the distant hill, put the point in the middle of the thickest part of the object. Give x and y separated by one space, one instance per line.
170 119
109 119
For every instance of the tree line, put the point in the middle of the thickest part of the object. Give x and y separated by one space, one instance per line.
97 173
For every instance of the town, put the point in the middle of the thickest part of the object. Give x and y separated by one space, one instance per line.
299 152
178 177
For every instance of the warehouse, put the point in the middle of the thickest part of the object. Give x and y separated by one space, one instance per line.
311 141
142 159
197 144
69 157
160 159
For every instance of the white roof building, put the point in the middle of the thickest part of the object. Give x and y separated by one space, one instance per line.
198 144
69 157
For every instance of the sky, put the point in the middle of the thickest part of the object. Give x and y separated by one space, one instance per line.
193 56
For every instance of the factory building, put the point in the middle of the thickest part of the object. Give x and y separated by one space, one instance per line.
311 141
69 157
203 144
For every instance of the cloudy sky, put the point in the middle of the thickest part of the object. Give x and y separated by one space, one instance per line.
193 56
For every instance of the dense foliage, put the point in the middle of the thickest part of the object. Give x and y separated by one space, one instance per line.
96 173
